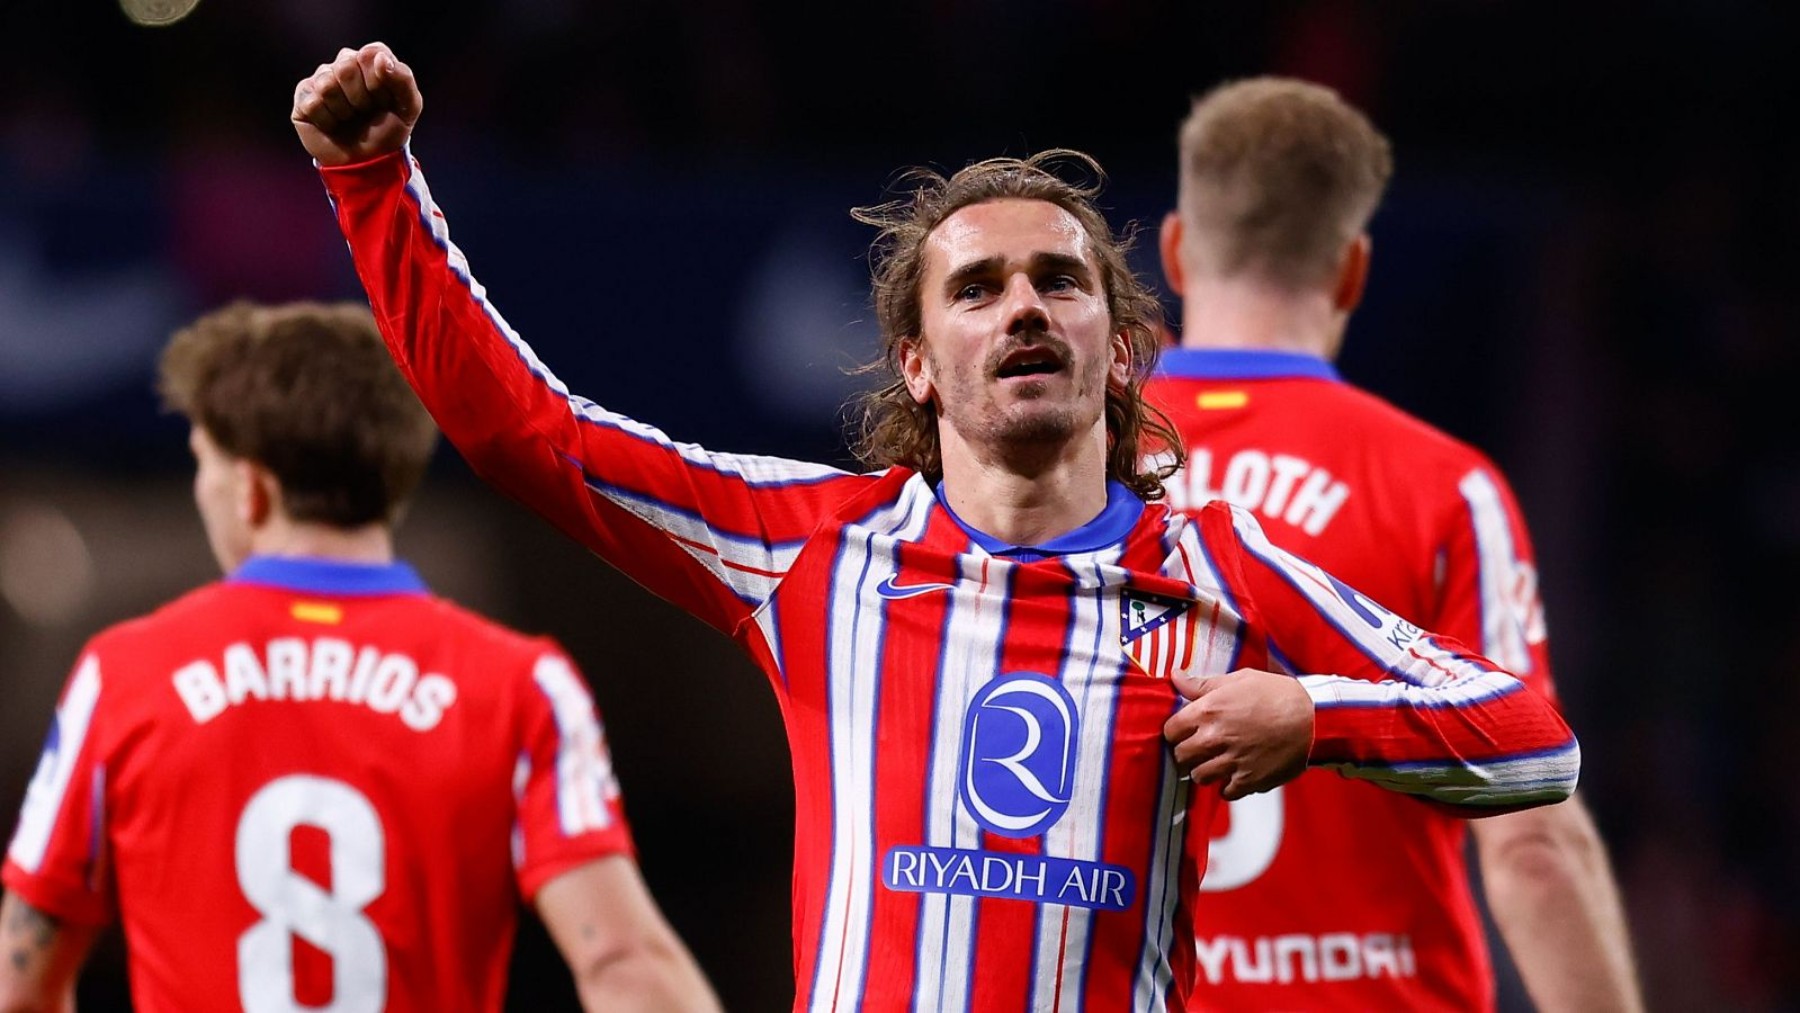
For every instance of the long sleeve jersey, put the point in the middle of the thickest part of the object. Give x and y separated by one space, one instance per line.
987 815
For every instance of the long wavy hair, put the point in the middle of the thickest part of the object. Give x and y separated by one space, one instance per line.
890 428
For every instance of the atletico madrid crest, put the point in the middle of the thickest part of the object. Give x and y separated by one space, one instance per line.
1157 632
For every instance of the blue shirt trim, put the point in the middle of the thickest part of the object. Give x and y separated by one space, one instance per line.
1243 364
1115 521
332 577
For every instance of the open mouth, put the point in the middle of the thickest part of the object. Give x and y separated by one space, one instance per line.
1037 361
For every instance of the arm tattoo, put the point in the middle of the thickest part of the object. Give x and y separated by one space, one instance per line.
29 932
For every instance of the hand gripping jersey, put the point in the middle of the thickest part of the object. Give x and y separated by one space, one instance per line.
987 816
314 786
1327 894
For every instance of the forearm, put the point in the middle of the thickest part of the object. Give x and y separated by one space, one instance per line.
651 975
500 407
621 951
1479 747
1394 704
42 958
1552 893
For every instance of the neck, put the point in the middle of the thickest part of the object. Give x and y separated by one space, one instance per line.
1238 313
371 543
1026 497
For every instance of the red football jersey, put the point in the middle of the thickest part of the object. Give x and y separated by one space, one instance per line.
1327 893
314 786
986 814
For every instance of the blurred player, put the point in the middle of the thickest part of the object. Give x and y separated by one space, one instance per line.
1327 894
977 650
313 785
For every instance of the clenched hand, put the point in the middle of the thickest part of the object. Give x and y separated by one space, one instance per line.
359 106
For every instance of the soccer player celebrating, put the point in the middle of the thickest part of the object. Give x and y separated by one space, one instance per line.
980 647
313 785
1327 894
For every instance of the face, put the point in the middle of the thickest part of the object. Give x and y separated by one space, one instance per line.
219 495
1018 344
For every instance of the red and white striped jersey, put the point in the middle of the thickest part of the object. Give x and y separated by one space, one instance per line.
312 786
987 815
1326 894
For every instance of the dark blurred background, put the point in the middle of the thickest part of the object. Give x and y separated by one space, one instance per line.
1585 266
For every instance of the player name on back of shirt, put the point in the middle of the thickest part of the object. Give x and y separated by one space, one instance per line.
1278 486
296 669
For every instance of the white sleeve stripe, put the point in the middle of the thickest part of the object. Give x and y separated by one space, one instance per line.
1505 781
756 470
1336 691
1372 642
1502 639
750 588
521 779
50 784
1460 767
434 222
689 524
751 569
584 779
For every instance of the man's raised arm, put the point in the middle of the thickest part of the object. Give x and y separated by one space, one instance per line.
713 533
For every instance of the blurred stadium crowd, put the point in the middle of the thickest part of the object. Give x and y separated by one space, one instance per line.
1585 267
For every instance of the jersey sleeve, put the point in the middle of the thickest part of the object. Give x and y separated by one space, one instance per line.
57 861
569 810
1395 705
713 533
1488 591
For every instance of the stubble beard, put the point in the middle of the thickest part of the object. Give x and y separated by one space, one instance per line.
1025 424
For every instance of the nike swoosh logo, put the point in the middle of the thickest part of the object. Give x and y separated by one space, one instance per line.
894 592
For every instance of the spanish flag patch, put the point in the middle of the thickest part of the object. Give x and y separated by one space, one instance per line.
317 612
1220 400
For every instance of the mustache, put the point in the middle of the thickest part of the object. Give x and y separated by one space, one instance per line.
1034 340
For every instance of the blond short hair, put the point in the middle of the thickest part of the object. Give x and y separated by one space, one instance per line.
1277 176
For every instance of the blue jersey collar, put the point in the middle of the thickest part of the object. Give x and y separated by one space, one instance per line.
1242 364
1123 508
328 576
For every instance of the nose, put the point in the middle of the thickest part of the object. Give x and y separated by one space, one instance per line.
1024 304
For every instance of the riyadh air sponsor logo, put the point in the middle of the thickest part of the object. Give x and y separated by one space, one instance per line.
1014 775
894 591
1039 879
1018 754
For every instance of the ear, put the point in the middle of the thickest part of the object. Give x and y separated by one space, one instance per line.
257 492
915 370
1169 244
1352 274
1119 371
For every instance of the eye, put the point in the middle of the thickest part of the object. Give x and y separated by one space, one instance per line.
970 293
1060 283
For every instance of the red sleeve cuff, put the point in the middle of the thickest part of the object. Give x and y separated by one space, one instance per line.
71 902
382 171
535 874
